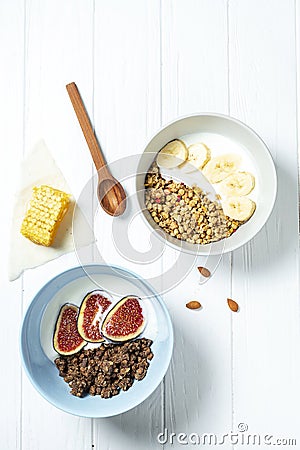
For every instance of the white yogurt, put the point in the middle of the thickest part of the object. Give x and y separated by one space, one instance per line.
74 293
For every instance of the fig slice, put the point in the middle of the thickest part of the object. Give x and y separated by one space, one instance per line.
66 339
124 321
91 310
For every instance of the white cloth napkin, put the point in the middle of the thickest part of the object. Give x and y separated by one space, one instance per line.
40 168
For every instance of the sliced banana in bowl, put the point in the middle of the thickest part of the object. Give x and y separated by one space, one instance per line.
198 155
220 167
237 156
172 154
238 208
236 184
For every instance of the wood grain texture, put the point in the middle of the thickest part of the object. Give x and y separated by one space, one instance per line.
11 132
265 272
127 105
140 64
198 384
86 126
57 37
297 39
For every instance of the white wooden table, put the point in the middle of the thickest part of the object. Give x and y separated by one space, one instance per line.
140 64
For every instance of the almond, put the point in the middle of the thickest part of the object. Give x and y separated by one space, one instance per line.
194 304
204 272
232 305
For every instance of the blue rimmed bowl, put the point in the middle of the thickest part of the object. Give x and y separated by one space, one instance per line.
70 286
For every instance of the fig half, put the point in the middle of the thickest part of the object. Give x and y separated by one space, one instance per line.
92 307
124 321
66 339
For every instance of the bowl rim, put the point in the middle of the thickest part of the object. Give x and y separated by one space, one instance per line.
168 355
225 249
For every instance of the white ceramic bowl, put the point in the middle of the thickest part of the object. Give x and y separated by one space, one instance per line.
233 135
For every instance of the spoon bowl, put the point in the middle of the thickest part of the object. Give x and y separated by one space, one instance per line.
111 196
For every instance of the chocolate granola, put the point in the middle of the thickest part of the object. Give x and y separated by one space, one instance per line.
107 369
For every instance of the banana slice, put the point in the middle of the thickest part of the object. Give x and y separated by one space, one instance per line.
172 155
198 156
238 208
218 168
238 183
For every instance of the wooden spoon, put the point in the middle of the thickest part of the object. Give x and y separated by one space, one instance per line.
110 192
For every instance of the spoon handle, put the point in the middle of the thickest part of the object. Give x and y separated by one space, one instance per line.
87 129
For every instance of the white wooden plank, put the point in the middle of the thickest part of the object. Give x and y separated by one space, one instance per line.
59 49
194 53
194 77
265 272
297 25
127 110
11 132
